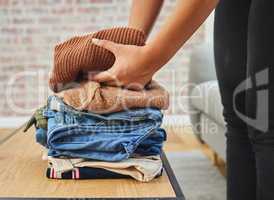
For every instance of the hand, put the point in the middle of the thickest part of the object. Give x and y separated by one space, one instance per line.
133 68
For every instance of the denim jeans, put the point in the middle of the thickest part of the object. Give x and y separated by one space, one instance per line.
41 136
109 137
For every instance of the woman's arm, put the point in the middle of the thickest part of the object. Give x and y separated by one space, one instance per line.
134 66
183 22
144 13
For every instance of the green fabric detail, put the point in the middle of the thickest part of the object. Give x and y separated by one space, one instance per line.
37 119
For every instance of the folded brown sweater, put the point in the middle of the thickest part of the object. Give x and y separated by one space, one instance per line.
93 97
79 55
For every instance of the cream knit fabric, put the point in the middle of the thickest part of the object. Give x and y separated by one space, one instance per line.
93 97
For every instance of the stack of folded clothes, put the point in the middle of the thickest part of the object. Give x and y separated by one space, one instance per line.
94 131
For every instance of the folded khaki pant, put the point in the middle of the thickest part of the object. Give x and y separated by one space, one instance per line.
140 168
93 97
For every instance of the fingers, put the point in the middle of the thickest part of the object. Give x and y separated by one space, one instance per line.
116 83
104 76
135 86
113 83
107 79
109 45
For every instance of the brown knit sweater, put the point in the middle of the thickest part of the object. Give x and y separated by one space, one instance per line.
93 97
78 55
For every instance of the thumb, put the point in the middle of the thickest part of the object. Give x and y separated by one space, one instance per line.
104 76
109 45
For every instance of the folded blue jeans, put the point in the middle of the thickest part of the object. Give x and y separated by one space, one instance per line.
41 136
107 137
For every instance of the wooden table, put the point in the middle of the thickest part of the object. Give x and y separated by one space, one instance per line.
23 176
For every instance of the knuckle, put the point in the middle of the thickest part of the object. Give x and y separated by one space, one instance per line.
115 48
115 77
103 43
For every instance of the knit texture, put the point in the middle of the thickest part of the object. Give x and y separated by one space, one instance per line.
79 55
93 97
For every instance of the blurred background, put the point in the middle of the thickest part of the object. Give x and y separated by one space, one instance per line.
29 30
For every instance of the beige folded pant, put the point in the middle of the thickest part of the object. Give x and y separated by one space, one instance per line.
93 97
140 168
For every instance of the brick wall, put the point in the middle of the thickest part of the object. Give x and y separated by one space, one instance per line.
29 29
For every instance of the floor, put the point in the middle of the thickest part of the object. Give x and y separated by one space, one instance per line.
198 178
182 139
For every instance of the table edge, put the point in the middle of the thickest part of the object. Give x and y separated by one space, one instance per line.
171 176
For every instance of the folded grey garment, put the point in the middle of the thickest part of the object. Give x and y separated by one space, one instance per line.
143 169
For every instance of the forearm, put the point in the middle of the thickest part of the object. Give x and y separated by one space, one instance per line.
187 17
144 13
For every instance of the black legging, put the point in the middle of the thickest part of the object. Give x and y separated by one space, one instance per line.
244 56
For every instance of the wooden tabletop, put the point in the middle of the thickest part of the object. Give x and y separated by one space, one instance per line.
23 175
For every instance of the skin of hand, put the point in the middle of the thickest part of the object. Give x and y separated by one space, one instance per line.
142 68
134 66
